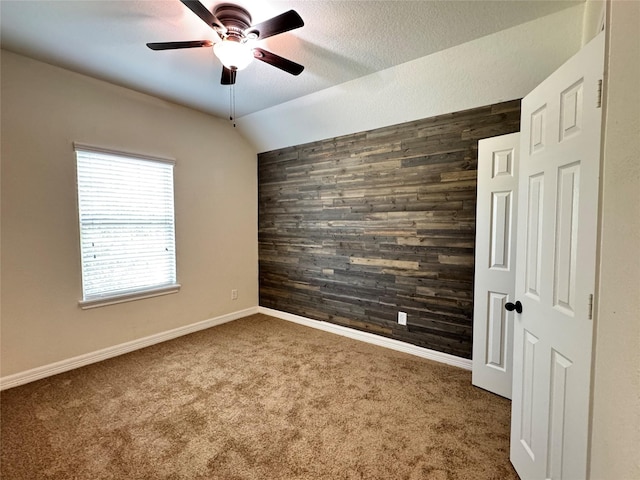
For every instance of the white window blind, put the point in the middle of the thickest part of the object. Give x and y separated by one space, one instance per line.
127 229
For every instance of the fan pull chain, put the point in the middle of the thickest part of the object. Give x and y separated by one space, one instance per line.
232 104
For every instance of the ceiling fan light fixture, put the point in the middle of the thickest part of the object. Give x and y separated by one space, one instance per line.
236 36
233 54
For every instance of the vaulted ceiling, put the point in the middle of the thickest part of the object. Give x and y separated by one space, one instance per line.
340 41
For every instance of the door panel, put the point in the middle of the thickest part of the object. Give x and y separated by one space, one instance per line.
496 354
525 406
566 237
561 125
500 229
533 266
560 370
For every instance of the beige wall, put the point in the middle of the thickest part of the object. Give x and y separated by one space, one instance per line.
615 441
44 110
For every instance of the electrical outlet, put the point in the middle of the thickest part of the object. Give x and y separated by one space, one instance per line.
234 294
402 318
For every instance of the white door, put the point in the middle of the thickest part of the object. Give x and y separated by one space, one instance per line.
495 263
555 269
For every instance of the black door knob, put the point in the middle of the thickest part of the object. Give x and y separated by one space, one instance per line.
514 306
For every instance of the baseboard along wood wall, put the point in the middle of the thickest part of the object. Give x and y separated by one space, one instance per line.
371 338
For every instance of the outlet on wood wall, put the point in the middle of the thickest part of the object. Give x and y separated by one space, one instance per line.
354 229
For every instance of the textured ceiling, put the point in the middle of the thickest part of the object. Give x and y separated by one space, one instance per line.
341 41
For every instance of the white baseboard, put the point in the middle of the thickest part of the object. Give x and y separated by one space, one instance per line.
371 338
38 373
44 371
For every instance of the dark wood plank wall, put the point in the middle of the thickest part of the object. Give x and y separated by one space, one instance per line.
354 229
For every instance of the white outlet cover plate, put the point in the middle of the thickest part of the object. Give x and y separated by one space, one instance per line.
402 318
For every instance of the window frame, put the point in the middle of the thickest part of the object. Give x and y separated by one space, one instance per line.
137 294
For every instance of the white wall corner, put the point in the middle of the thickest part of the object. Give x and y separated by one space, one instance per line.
593 19
615 425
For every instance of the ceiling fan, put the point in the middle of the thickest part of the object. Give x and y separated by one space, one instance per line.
233 26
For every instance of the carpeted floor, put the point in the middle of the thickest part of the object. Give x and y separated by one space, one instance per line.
257 398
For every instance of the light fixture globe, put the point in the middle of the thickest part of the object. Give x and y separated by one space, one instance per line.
233 54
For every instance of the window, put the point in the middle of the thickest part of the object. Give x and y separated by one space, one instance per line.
127 234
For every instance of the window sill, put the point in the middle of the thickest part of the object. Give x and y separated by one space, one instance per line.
128 297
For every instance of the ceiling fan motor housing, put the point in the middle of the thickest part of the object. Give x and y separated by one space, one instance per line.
236 19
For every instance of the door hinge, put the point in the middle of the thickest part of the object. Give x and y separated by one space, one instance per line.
591 306
599 99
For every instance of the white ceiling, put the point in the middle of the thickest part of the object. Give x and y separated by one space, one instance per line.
340 41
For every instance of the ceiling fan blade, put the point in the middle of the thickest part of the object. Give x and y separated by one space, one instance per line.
228 76
203 12
276 25
176 45
277 61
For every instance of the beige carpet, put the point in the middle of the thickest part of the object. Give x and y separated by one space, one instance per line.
257 398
